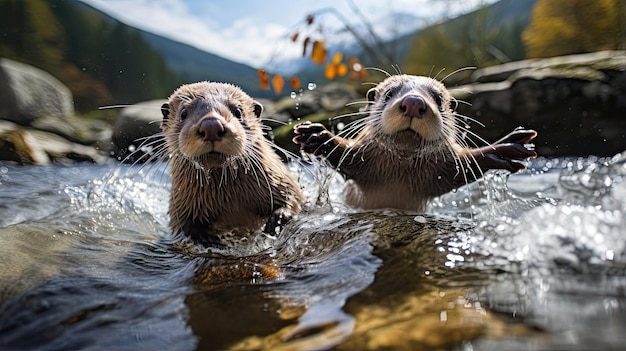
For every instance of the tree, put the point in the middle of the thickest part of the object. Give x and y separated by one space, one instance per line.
562 27
31 34
450 46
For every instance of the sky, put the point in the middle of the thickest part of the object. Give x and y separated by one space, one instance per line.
254 31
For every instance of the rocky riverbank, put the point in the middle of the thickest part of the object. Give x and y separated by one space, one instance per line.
577 104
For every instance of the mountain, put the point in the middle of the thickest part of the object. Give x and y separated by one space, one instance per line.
493 31
104 61
192 64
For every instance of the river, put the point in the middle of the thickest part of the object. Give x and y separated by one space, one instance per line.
530 261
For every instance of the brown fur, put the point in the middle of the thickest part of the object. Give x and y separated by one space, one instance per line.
235 184
397 157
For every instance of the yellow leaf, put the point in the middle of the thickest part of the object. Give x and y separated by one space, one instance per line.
295 83
331 71
318 54
337 58
278 83
342 69
264 79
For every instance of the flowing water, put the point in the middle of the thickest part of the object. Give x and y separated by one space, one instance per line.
531 261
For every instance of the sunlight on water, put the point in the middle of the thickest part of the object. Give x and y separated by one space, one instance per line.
529 261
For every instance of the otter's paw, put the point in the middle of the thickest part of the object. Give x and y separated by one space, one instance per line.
277 220
519 136
313 138
506 152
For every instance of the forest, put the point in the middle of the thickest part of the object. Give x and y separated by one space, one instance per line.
101 62
553 28
104 61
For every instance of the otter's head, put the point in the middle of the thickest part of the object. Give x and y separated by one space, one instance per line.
210 123
411 110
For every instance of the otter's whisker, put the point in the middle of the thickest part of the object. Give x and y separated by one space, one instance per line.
458 71
379 70
404 151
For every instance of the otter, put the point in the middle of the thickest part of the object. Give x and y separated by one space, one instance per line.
409 149
226 178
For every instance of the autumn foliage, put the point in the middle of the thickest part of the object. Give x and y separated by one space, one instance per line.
315 49
561 27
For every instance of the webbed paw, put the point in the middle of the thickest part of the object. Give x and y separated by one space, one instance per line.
507 152
313 138
277 220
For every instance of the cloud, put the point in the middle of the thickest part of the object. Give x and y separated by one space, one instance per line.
253 32
244 40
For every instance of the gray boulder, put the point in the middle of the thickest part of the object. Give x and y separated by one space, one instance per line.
577 103
28 94
33 98
136 131
27 146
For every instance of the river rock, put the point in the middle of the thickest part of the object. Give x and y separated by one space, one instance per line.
135 131
575 102
33 98
272 117
331 97
28 94
299 104
28 146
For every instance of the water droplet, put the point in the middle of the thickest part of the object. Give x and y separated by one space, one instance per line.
311 86
293 95
420 219
443 316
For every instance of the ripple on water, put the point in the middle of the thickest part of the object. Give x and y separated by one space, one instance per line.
543 249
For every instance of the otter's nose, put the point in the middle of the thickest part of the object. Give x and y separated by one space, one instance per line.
211 130
413 106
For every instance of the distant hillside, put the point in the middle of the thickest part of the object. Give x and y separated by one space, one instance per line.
483 37
101 60
195 65
488 36
192 64
104 61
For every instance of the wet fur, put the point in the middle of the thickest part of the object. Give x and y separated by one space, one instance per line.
237 185
393 161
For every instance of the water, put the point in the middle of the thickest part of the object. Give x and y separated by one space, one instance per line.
531 261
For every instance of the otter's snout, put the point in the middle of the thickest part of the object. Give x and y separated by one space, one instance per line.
211 129
413 106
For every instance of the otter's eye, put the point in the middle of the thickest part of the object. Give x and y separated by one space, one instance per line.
183 114
371 94
388 95
236 111
438 100
393 91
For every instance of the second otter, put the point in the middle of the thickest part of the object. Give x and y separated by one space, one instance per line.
408 149
225 176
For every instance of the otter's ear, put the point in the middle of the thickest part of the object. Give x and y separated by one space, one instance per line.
258 108
371 94
165 110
